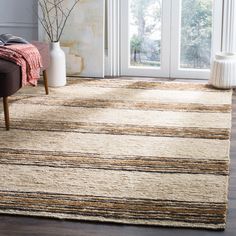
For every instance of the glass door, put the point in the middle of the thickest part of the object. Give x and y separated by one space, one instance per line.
169 38
195 37
145 37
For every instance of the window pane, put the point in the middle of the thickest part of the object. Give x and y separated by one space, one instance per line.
145 32
196 34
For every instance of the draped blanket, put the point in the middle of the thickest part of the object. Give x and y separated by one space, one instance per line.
27 57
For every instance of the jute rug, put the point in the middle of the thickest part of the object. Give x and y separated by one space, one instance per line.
124 151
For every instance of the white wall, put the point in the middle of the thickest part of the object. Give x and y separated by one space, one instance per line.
84 37
19 17
84 34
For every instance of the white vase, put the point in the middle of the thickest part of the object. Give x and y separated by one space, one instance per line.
57 70
223 71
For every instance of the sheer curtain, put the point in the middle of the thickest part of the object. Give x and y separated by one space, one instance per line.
229 26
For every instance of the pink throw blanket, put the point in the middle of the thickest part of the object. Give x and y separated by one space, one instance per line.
28 57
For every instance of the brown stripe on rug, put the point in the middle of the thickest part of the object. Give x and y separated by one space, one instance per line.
123 122
105 128
125 151
114 208
113 162
137 84
116 104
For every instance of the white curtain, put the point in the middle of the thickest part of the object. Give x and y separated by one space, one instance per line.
229 26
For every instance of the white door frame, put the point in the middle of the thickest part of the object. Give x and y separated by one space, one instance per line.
126 68
175 70
118 46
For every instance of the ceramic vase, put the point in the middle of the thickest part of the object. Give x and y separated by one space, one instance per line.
57 69
223 71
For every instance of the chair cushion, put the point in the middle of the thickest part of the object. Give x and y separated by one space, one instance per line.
10 78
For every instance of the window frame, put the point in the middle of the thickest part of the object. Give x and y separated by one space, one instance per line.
126 68
175 70
117 60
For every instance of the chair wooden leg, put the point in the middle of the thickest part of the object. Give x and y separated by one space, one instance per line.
6 113
45 79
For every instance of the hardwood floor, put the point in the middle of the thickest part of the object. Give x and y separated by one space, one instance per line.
25 226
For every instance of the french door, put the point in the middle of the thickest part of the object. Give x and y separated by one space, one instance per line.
145 49
169 38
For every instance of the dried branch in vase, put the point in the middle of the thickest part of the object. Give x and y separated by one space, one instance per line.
54 15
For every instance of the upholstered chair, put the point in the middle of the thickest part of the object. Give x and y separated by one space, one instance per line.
10 78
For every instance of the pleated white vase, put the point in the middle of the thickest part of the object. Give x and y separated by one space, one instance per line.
223 71
57 70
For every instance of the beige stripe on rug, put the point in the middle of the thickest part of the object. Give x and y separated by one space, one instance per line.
123 151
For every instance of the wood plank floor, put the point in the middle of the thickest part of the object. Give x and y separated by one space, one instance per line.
25 226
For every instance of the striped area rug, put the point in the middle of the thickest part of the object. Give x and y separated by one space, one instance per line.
124 151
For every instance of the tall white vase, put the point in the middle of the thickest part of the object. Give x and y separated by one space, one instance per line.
57 70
